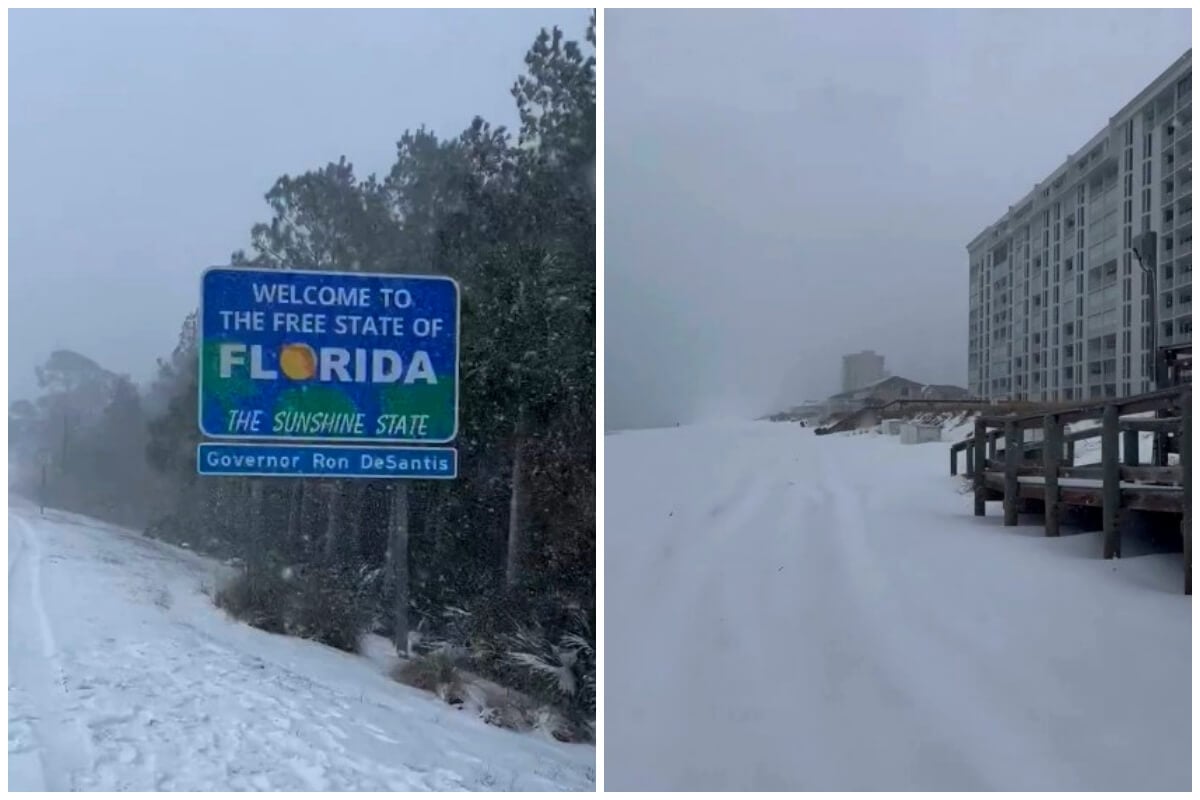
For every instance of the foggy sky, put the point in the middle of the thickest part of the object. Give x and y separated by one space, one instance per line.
782 188
141 144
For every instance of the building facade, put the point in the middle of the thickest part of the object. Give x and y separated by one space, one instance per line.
892 388
861 369
1059 306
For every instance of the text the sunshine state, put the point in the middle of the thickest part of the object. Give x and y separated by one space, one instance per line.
329 423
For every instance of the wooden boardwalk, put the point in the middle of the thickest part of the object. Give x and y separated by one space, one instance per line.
1042 475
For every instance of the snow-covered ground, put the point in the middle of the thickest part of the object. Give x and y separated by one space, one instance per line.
123 676
788 611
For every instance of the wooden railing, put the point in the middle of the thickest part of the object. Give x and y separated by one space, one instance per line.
997 470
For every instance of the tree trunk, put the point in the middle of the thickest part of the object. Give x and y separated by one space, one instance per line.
516 507
398 558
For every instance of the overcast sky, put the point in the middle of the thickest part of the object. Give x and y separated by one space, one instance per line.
141 144
785 187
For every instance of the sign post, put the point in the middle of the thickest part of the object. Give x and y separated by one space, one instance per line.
331 375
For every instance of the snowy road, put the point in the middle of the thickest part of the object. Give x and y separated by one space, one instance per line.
123 676
786 611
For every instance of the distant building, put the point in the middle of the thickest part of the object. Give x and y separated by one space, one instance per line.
894 388
861 369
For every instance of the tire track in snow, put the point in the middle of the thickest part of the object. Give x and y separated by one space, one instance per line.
691 584
920 655
64 750
736 496
877 632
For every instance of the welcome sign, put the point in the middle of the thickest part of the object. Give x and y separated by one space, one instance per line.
289 355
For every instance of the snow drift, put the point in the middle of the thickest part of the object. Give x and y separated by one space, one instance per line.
124 676
793 612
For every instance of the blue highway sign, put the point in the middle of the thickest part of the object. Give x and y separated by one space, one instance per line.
325 461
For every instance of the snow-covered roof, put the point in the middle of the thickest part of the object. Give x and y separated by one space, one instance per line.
874 385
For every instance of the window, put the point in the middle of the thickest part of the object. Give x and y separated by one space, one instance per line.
1148 146
1129 133
1146 173
1128 160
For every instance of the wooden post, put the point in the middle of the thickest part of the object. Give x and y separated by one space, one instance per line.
953 461
991 449
1012 461
1131 448
1158 453
978 444
1052 431
1111 470
1071 453
1185 461
970 458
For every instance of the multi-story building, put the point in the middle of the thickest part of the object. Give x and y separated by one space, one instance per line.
1059 306
861 369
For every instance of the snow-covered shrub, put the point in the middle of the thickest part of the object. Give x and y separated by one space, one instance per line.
258 597
548 661
328 608
433 672
313 603
563 668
